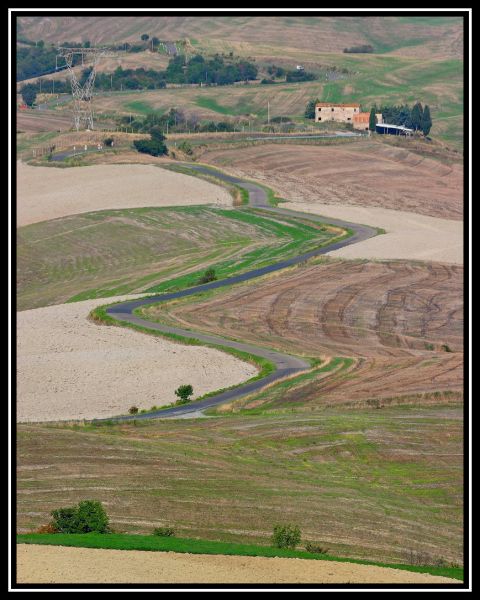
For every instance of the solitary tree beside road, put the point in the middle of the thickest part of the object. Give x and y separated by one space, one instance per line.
183 393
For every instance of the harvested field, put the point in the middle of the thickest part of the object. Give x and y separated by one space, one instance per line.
402 323
34 121
72 368
108 253
375 484
45 193
441 36
337 307
40 564
365 174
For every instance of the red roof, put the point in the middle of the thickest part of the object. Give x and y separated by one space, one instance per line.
363 117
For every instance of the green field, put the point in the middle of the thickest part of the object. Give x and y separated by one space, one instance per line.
151 543
112 252
368 484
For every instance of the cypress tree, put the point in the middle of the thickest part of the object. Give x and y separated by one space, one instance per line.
416 116
426 121
373 119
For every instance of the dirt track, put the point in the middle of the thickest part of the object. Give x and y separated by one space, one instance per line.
55 564
45 193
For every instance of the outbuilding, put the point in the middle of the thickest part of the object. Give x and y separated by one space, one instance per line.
387 128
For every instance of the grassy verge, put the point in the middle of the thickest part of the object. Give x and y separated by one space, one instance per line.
172 544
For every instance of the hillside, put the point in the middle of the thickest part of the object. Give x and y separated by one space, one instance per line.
438 36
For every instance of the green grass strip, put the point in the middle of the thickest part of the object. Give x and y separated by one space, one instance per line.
153 543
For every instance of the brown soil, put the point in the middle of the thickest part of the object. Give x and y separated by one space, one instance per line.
362 174
54 564
396 318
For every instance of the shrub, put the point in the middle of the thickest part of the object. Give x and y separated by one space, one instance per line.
183 393
153 147
164 531
65 520
108 141
315 548
92 517
286 536
186 148
208 276
133 410
446 348
88 515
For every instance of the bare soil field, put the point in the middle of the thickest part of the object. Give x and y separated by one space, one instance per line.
45 193
365 174
54 564
72 368
408 235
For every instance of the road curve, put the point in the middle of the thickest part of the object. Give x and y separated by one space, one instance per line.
286 365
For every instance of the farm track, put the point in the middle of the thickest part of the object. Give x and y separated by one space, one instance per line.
286 365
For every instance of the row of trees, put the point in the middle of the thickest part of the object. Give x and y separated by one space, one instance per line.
215 70
417 117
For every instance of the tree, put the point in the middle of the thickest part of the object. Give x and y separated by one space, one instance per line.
29 94
144 37
183 393
426 121
372 120
416 116
310 109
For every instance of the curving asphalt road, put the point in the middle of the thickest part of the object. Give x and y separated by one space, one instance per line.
285 364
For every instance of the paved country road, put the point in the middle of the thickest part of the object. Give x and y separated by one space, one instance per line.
286 365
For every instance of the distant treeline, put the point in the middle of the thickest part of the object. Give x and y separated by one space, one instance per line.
173 121
215 71
365 49
34 61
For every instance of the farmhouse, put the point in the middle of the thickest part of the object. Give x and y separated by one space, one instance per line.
342 113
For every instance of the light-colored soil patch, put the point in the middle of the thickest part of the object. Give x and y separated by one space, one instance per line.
55 564
408 236
71 368
48 193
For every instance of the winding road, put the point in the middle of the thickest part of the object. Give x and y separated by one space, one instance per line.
286 365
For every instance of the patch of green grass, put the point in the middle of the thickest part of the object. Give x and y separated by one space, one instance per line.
140 107
153 543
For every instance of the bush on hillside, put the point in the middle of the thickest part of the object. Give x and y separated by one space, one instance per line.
87 516
286 536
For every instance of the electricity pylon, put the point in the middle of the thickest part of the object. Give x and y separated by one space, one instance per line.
82 94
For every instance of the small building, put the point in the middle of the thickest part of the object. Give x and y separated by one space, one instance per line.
362 120
341 113
389 129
